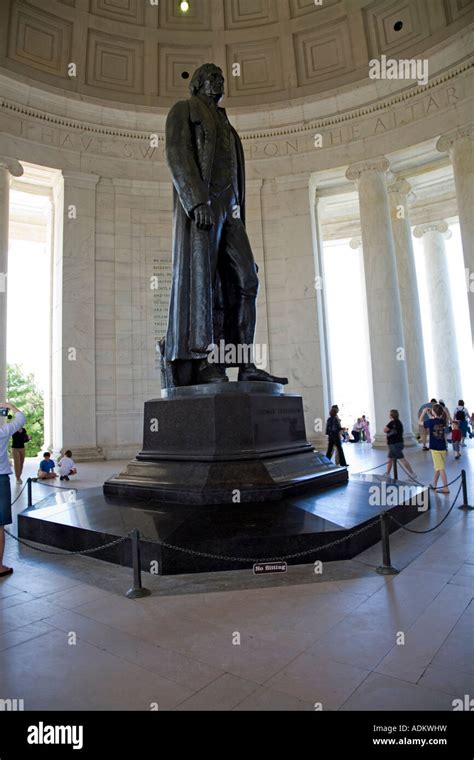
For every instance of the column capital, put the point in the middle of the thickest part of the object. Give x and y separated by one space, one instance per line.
11 165
439 226
379 164
446 142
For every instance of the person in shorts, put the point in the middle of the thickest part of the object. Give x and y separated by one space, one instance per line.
394 431
438 446
6 431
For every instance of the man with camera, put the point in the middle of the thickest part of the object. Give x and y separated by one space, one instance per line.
6 431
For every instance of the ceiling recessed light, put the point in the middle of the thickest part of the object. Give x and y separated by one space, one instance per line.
398 25
184 5
185 74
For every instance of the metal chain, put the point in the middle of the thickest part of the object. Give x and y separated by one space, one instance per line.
268 559
411 530
50 485
65 552
439 488
363 472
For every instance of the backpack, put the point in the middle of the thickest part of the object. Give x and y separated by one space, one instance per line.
460 415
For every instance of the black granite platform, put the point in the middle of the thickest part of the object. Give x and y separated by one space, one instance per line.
256 531
219 443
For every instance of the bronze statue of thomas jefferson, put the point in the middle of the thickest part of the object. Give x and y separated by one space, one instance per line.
214 284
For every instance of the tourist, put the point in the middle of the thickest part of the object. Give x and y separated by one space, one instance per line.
394 431
46 468
456 439
18 451
356 430
333 432
471 429
5 494
424 409
462 415
436 424
67 466
366 429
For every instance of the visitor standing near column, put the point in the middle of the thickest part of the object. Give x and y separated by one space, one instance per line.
438 445
333 432
394 432
462 415
423 413
18 452
5 470
366 428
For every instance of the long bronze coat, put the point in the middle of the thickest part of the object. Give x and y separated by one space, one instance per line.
199 307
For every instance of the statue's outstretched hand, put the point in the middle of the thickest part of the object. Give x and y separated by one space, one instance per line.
203 217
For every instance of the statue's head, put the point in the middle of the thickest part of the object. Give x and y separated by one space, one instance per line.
208 79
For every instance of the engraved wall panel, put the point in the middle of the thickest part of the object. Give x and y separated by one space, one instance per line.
197 17
303 7
322 52
394 25
457 8
39 39
176 60
260 64
114 62
130 11
240 14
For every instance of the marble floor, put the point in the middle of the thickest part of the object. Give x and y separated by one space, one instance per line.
70 639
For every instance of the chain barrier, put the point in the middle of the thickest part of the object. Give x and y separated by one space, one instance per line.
269 559
50 485
363 472
18 496
439 488
65 552
412 530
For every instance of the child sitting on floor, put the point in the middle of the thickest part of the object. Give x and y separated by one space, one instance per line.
67 466
46 468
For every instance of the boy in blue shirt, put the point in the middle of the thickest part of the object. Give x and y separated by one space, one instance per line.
46 468
436 425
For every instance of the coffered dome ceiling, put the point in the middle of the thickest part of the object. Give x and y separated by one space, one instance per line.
142 51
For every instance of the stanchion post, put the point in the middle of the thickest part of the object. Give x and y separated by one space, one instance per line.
465 503
30 492
395 469
137 589
386 568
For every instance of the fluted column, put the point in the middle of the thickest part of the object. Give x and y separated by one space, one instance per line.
460 146
442 323
399 194
8 166
74 345
387 345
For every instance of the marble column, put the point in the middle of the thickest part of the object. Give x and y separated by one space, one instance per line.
387 344
292 295
8 166
73 372
460 146
399 194
442 322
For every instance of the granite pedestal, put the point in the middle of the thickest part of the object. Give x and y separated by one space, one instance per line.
224 443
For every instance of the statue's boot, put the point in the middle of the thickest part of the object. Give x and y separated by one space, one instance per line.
250 372
246 331
211 373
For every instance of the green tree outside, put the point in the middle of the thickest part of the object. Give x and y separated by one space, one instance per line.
25 394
